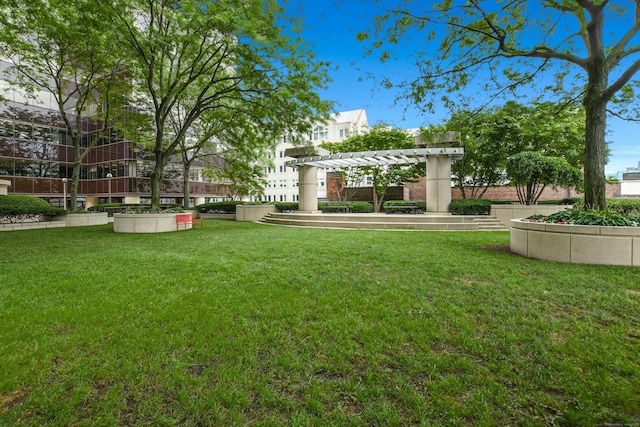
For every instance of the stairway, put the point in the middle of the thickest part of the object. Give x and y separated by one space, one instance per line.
387 221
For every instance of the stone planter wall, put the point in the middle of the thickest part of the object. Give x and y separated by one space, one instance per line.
77 220
253 212
145 223
505 213
577 244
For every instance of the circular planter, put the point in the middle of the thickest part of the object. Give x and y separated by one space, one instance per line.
577 244
145 223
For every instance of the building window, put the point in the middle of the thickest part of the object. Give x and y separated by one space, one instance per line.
321 182
344 133
283 198
320 133
283 183
281 154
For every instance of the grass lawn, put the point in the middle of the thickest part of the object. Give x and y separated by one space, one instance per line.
249 324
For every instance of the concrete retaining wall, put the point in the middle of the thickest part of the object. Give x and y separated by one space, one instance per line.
253 212
78 220
577 244
505 213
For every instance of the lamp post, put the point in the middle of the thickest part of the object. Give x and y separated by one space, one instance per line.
64 193
109 175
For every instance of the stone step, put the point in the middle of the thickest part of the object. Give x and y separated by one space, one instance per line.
385 222
386 218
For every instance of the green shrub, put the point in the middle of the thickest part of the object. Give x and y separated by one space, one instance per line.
589 217
14 206
226 207
571 200
147 209
356 207
470 207
502 202
287 206
624 206
103 207
398 206
565 201
550 202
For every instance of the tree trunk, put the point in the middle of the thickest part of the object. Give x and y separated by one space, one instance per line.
375 198
595 154
156 179
75 182
595 105
185 184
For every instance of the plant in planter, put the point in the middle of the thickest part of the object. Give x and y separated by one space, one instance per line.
618 213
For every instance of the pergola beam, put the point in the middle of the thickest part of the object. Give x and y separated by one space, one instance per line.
375 158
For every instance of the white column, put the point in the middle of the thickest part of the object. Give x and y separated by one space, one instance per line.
438 184
307 188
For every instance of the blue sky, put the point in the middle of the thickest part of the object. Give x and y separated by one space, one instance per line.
332 25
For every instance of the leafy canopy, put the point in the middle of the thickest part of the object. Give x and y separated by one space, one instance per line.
577 51
490 136
531 172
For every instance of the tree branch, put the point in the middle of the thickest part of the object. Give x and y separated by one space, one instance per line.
621 81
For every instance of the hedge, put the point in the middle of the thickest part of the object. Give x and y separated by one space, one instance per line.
470 207
624 206
287 206
133 207
226 207
565 201
18 205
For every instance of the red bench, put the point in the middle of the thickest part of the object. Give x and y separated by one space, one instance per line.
187 219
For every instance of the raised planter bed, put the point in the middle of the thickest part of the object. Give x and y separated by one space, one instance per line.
576 244
145 223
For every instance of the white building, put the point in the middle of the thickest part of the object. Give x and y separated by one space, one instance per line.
630 185
282 181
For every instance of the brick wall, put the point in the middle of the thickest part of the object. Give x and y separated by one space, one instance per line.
418 192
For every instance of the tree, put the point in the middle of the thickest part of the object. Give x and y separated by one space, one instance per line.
531 172
348 182
60 47
590 65
490 136
217 57
381 137
242 178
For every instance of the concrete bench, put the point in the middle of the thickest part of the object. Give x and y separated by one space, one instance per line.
346 208
187 219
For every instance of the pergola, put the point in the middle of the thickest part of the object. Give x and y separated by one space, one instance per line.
438 161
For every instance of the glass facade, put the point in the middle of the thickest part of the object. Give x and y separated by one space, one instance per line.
36 153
